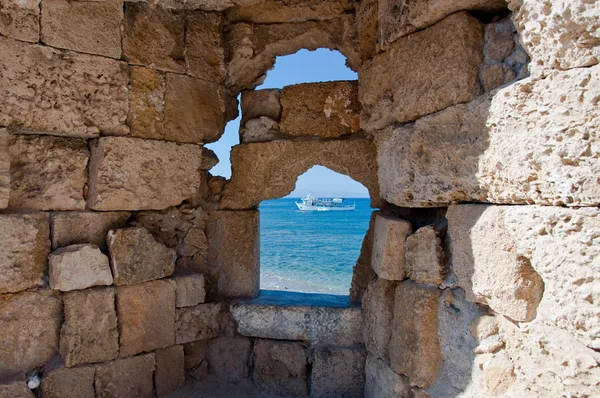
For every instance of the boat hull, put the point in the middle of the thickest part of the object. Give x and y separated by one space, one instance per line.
304 207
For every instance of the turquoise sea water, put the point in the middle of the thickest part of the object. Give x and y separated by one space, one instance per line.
310 251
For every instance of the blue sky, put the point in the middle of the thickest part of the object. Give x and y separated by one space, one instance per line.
302 67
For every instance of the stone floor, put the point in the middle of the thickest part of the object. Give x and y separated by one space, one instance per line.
212 387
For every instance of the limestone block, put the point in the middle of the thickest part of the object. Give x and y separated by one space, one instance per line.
146 314
209 159
499 40
78 267
228 358
378 307
128 377
195 352
197 323
195 109
88 27
146 98
89 333
134 174
68 383
324 110
383 382
135 256
16 389
70 228
47 173
4 169
267 12
362 272
20 20
260 130
424 256
414 347
367 25
405 82
337 372
91 97
268 170
190 290
484 327
280 368
257 103
205 51
236 260
154 36
24 250
320 319
388 259
398 18
493 76
29 326
170 374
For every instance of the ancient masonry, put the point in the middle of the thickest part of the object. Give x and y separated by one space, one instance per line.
127 268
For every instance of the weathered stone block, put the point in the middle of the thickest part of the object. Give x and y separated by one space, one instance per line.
47 173
325 110
16 389
362 272
20 20
228 358
134 174
4 169
414 347
78 267
170 374
383 382
91 97
493 76
128 377
378 307
89 333
338 372
29 326
24 250
499 40
205 52
257 103
136 256
367 25
197 323
288 11
195 352
147 94
146 314
70 228
260 130
235 260
388 259
190 290
280 368
424 256
90 27
68 383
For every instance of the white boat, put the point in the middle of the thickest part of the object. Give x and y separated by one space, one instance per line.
310 203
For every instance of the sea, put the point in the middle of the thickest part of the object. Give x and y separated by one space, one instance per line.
310 251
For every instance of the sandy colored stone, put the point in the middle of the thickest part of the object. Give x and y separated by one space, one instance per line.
422 73
89 333
493 76
260 130
69 228
383 382
190 290
68 383
280 368
362 272
47 173
205 51
378 307
135 174
136 256
269 170
257 103
209 159
414 347
20 20
367 25
24 250
337 372
228 358
424 256
499 40
268 12
484 327
388 259
195 352
30 327
78 267
233 252
128 377
146 314
89 27
197 323
91 98
146 100
16 389
4 169
170 374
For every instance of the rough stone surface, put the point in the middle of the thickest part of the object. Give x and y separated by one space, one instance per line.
90 27
269 170
91 97
136 256
362 272
235 261
78 267
423 73
204 52
197 323
280 368
338 372
71 228
414 347
16 389
389 237
30 326
424 256
367 25
196 352
325 110
134 174
4 169
24 250
190 290
89 333
257 103
68 383
228 358
378 307
146 100
146 314
260 130
267 12
170 374
493 76
128 377
20 20
383 382
47 173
